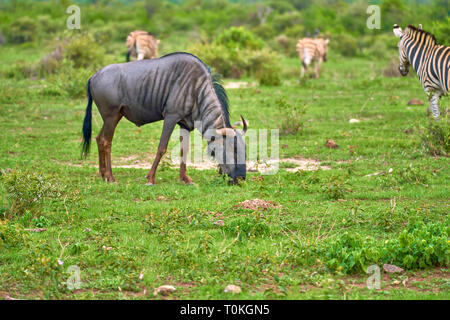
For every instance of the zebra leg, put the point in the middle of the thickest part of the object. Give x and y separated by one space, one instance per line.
184 150
434 105
169 125
304 68
317 67
140 56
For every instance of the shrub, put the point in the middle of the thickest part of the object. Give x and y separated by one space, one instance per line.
345 44
420 245
84 51
350 254
239 38
293 116
441 29
23 30
247 227
237 52
27 190
435 137
20 70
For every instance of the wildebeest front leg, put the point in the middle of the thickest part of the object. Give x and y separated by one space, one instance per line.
184 150
104 142
169 125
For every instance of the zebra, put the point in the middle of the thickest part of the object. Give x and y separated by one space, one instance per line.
142 45
431 62
177 88
310 51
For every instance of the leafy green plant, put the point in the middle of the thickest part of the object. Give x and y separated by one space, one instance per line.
435 138
293 116
28 190
420 245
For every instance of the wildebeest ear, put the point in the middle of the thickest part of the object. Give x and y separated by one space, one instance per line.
397 31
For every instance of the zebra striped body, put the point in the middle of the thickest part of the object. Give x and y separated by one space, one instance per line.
310 51
177 88
142 45
431 62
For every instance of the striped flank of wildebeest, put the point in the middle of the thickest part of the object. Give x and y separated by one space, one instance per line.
312 51
177 88
430 60
142 45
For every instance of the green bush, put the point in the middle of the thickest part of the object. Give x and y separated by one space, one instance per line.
27 190
351 254
345 44
24 29
293 116
84 51
420 245
247 227
435 137
239 38
238 52
441 29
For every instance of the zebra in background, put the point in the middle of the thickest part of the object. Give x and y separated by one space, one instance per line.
430 61
142 45
310 51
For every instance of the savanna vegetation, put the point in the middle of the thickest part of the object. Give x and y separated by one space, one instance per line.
379 195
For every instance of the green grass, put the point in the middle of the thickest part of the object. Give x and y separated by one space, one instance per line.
116 232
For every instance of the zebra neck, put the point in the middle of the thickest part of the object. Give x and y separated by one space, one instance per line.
417 53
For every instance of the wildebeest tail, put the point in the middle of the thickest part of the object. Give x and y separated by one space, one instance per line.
87 124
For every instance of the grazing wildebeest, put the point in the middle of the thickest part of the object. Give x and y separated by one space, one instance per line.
177 88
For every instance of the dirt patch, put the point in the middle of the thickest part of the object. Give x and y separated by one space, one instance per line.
239 85
133 162
256 204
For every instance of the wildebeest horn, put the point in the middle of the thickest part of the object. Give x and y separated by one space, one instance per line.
226 132
244 123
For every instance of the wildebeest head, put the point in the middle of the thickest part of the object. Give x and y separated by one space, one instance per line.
403 56
227 146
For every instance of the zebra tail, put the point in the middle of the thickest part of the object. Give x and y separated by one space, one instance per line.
87 124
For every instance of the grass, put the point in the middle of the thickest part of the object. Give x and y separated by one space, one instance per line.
128 238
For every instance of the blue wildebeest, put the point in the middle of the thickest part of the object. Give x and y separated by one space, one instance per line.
177 88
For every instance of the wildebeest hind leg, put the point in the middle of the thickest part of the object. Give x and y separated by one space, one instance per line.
169 125
184 150
104 142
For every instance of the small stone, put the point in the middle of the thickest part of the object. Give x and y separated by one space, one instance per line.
390 268
354 121
415 102
164 290
219 223
331 144
232 289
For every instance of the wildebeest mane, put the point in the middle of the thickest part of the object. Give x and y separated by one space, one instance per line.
217 84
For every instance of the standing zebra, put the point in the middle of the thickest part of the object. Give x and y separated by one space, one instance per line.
177 88
310 51
142 45
430 61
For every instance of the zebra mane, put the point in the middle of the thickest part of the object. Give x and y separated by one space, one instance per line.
413 30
